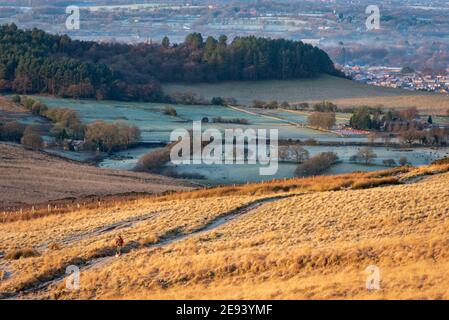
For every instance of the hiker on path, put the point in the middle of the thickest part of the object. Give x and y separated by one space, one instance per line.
119 243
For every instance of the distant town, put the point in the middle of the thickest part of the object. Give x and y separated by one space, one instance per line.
394 77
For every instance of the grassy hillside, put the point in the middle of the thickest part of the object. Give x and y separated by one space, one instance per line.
28 177
300 238
345 92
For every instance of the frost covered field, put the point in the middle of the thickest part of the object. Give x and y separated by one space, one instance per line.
157 126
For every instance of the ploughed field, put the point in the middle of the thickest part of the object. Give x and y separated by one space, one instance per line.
301 238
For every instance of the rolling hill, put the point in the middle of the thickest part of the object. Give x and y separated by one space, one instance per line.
28 177
301 238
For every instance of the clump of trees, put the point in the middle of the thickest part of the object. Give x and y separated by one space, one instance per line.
365 155
67 124
361 119
409 136
189 98
298 106
405 123
325 106
37 108
368 118
231 121
265 105
19 133
317 164
324 120
294 153
107 137
99 135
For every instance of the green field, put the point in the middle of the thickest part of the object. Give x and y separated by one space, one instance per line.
345 93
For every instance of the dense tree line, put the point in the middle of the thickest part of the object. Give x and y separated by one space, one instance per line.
33 61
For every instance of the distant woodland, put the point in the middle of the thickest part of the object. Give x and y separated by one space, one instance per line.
35 62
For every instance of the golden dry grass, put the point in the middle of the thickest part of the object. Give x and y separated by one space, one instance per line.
79 236
298 185
314 244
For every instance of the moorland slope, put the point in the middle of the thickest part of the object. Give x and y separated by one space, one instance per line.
301 238
29 177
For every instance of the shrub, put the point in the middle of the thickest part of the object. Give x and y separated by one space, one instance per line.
153 161
272 105
389 162
294 153
39 108
15 98
171 172
317 164
217 101
285 105
32 140
170 111
310 142
21 253
325 106
302 106
403 161
28 102
233 121
365 155
258 104
12 131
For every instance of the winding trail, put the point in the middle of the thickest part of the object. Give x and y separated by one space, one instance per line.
167 239
126 223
